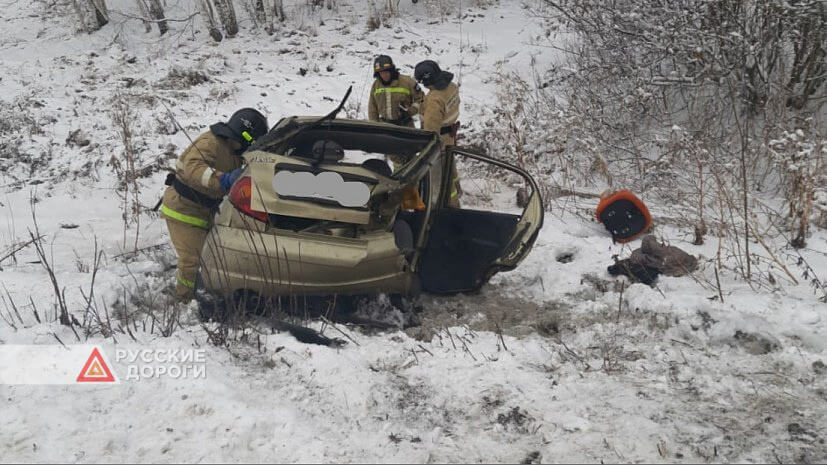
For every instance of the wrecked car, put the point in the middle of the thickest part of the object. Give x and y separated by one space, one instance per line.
305 219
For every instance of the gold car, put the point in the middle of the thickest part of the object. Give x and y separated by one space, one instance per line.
301 220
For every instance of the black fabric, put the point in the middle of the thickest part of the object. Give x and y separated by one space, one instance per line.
462 245
170 180
403 236
414 218
378 166
427 72
442 80
293 223
192 194
623 219
452 129
327 151
223 130
403 120
636 271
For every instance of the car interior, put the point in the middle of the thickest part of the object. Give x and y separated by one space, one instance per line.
301 146
462 244
328 144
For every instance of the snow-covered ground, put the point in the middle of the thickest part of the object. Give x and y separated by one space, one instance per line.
587 368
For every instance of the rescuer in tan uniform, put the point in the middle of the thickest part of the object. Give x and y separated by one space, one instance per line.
394 98
440 112
204 173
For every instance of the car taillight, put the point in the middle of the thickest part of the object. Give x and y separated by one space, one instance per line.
240 195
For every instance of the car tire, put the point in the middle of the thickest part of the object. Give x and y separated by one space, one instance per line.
410 307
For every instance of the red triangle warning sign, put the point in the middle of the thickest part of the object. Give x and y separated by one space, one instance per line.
95 370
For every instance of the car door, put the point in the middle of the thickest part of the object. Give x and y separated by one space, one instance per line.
465 246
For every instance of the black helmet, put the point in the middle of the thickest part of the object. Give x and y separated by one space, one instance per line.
383 63
248 124
428 73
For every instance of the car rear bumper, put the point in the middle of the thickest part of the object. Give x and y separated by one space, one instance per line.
281 262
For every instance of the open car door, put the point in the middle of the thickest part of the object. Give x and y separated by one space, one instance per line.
465 247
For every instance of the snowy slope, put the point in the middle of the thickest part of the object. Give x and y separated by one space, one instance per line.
588 368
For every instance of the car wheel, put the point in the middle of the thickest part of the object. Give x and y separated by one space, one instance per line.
210 306
410 308
249 302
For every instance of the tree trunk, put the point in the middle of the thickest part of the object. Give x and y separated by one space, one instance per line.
208 13
101 13
270 11
260 12
83 14
92 14
156 11
144 14
278 10
226 12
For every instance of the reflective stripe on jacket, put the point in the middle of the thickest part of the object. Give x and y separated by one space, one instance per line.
199 167
384 101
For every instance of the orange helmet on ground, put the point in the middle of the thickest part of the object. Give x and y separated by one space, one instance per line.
624 215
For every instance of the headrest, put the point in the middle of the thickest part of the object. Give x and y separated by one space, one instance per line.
378 166
327 151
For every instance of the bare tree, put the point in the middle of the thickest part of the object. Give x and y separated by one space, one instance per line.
208 12
221 12
705 105
154 10
142 7
329 4
259 12
267 12
226 13
278 9
92 14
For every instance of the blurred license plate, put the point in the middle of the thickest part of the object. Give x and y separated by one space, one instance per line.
325 186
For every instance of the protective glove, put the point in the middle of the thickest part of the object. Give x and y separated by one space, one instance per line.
229 178
404 116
